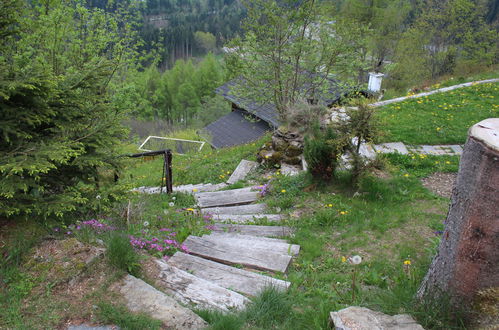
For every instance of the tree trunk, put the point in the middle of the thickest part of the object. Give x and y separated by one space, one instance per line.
468 256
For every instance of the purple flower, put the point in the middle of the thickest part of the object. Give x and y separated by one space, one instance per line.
438 232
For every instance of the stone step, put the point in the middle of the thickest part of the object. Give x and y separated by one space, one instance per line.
391 147
257 255
231 278
226 198
202 187
141 297
272 244
268 231
190 289
244 167
245 218
233 210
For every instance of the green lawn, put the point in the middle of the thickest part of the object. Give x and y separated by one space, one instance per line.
442 118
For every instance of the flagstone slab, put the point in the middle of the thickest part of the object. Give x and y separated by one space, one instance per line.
256 255
254 230
241 209
242 170
246 218
231 278
391 147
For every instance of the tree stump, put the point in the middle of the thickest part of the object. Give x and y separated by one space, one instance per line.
468 256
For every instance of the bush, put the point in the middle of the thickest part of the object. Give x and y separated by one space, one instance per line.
322 151
122 255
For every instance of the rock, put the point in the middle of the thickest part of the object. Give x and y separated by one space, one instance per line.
361 318
279 144
292 160
289 169
141 297
294 149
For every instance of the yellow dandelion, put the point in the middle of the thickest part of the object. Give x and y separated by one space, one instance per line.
438 129
194 190
330 205
283 191
343 259
406 175
190 209
407 262
447 162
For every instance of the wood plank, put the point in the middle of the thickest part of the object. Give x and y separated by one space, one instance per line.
240 209
244 167
272 244
226 197
190 289
269 231
231 278
246 218
227 253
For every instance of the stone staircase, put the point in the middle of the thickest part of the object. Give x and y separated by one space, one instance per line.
238 259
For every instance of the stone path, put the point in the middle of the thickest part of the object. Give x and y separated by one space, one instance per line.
399 147
223 268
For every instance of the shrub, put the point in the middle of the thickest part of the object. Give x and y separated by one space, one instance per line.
322 151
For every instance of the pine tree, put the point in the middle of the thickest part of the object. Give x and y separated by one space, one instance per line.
59 129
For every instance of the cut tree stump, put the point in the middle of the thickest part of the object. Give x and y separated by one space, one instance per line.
468 256
268 231
190 289
226 198
241 209
256 256
244 167
231 278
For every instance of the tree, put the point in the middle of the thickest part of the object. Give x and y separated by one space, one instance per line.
205 41
59 129
289 50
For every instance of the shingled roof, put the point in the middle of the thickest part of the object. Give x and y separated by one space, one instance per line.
267 112
237 127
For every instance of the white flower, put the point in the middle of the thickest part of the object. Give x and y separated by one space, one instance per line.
98 197
171 204
165 211
146 223
355 260
174 198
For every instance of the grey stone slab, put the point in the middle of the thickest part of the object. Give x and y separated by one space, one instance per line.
244 167
232 278
260 242
190 289
141 297
254 230
91 327
246 218
290 170
254 255
391 147
457 149
226 197
241 209
360 318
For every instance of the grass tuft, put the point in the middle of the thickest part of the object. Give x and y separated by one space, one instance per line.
122 255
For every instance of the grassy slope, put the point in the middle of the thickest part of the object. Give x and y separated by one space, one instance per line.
389 221
441 118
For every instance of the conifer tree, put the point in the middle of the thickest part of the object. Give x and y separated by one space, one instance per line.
58 128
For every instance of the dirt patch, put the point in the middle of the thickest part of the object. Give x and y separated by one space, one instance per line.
440 183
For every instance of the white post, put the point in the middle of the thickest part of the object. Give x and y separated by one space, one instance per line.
375 81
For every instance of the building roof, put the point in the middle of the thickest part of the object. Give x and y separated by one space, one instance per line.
267 112
235 128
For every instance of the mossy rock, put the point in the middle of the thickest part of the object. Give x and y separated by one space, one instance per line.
292 160
293 150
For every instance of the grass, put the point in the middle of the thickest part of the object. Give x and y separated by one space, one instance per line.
442 118
208 166
120 316
122 255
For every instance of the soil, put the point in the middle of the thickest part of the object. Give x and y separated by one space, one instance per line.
440 183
